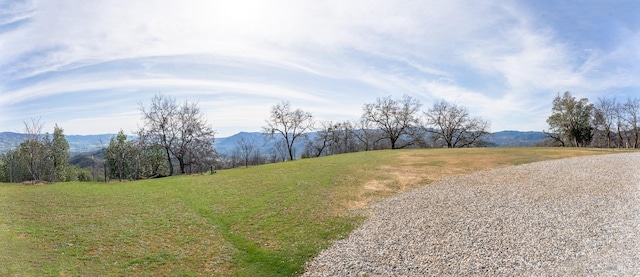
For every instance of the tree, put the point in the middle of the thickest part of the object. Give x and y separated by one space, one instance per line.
631 119
151 157
604 119
394 117
246 148
160 124
452 126
180 130
570 120
366 134
199 156
290 125
15 165
59 154
120 157
34 148
194 140
342 138
331 138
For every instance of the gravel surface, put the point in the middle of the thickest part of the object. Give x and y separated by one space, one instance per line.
568 217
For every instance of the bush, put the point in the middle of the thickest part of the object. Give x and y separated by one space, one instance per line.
84 175
76 173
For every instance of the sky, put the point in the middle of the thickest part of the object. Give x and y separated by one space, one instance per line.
88 66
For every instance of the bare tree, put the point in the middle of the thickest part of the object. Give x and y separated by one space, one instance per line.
161 124
291 125
194 136
246 148
605 116
200 156
280 151
367 134
452 125
394 117
323 139
631 118
34 147
332 138
342 138
178 129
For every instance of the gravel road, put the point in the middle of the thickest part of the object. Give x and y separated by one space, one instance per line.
568 217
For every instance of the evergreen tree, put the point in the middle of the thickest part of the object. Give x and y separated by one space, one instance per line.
120 156
60 155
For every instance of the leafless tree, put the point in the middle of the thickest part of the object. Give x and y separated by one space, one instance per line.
281 151
291 125
161 124
178 129
367 134
452 125
34 147
605 117
199 156
394 117
195 137
342 138
332 138
246 148
631 119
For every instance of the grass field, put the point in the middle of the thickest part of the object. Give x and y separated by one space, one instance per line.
261 221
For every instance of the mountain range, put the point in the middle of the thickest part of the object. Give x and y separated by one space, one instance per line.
225 146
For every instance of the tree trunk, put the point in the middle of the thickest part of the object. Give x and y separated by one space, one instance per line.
169 162
181 163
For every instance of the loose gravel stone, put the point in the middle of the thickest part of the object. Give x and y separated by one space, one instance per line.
568 217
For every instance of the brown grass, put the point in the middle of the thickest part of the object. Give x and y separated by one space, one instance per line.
408 169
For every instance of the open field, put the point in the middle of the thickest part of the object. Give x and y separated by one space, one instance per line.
261 221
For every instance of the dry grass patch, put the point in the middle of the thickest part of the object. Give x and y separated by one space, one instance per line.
407 169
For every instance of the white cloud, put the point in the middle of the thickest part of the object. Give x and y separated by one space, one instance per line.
499 58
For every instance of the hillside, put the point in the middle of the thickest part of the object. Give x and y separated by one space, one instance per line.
225 146
516 138
260 221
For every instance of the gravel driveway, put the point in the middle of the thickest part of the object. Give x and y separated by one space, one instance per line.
569 217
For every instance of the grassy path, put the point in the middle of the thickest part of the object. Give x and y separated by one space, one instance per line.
261 221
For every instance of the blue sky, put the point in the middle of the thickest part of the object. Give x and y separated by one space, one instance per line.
87 65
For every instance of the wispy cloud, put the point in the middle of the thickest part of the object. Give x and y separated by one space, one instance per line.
238 58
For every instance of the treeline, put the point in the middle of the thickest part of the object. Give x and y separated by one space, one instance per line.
41 158
388 123
609 123
173 137
176 137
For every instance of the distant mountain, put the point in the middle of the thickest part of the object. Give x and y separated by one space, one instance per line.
516 138
225 146
88 159
9 140
77 143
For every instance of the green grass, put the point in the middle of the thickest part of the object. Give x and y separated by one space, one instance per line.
261 221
